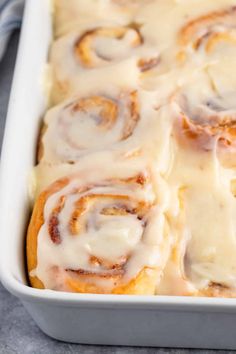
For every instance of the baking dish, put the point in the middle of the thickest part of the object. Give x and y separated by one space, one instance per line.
93 319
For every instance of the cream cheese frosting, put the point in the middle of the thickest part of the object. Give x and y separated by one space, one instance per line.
149 87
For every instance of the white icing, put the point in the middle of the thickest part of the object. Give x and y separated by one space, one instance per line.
108 54
70 15
205 225
70 135
192 177
107 237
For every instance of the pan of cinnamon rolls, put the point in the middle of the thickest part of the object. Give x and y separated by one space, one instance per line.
135 187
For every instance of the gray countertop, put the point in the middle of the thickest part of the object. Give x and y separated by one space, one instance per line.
18 332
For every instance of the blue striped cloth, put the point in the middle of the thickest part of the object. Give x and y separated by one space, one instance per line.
10 18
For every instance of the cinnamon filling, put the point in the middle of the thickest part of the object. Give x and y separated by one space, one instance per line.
84 47
117 118
205 133
215 18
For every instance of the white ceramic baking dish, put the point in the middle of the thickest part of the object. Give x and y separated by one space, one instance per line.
93 319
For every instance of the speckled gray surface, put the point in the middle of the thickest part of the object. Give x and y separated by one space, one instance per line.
18 333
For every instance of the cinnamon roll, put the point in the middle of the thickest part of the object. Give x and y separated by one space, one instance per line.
209 256
68 15
203 206
88 124
136 179
211 36
202 261
205 112
122 124
104 237
93 58
211 124
95 54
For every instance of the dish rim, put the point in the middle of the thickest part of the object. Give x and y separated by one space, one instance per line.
178 303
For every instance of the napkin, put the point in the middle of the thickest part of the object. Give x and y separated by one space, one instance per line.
11 12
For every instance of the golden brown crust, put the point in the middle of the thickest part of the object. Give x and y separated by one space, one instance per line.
40 149
36 222
217 290
79 280
143 284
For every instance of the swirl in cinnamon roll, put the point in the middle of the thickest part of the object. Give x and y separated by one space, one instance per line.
106 237
211 35
212 122
205 110
103 54
91 55
122 124
88 125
